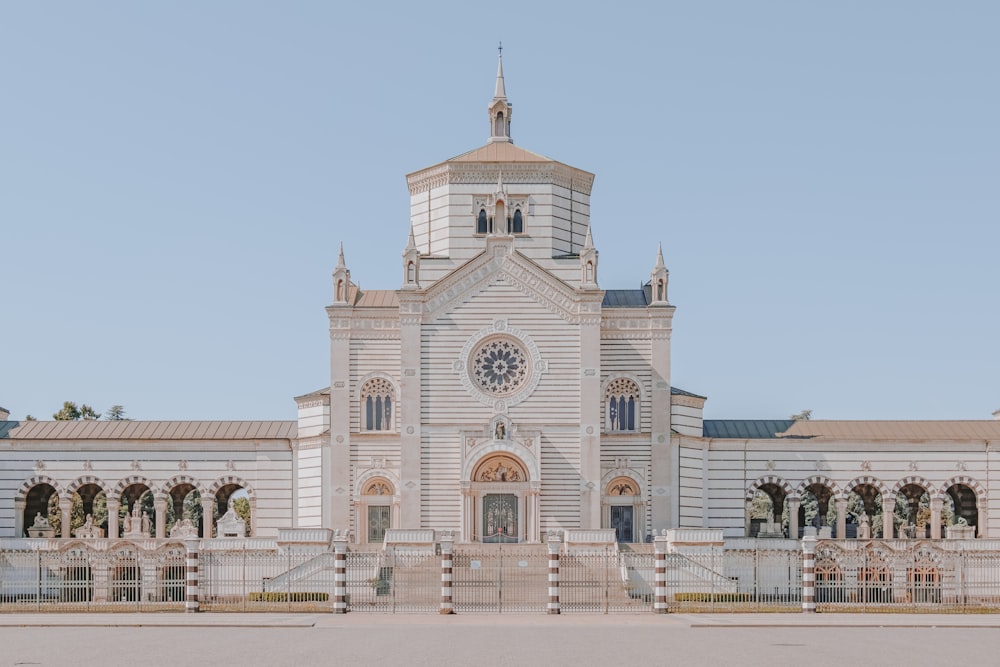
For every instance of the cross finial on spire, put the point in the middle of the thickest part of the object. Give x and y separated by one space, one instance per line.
500 49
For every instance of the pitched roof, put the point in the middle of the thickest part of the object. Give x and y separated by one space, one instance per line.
987 429
325 391
677 391
502 151
744 428
625 298
149 430
377 298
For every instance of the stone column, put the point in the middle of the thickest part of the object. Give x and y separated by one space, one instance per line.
888 518
340 572
591 409
207 520
793 517
841 504
447 548
408 407
660 581
193 577
808 574
160 516
937 504
981 519
555 545
19 505
66 514
114 504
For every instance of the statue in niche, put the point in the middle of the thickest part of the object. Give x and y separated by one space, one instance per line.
144 525
500 431
865 528
127 524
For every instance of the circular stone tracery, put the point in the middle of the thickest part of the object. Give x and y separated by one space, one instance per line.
500 367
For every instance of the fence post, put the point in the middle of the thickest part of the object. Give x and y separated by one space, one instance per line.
340 572
660 580
447 548
555 544
192 576
808 574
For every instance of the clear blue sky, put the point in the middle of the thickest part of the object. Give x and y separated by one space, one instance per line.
175 179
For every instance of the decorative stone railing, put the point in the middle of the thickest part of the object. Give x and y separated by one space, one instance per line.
304 535
694 536
960 532
587 540
409 540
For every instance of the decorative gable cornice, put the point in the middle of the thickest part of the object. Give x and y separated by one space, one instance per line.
501 263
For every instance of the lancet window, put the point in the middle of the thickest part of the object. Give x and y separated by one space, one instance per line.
621 400
377 397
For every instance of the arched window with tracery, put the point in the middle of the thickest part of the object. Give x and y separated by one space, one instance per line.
377 396
621 400
482 222
517 222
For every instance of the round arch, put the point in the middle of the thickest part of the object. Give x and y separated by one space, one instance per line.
758 484
227 480
180 480
915 480
964 480
375 511
822 480
30 483
623 504
866 480
133 480
500 478
87 480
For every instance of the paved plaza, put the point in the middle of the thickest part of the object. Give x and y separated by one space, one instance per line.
298 640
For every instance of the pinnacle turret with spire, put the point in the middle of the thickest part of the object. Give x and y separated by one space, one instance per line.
500 109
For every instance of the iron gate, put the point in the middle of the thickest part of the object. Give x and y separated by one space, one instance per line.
500 578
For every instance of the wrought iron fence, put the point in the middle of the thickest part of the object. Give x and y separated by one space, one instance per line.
906 576
80 579
500 578
606 582
750 575
393 581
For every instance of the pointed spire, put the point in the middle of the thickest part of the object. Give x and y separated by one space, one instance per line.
588 243
411 244
500 93
500 109
340 258
659 257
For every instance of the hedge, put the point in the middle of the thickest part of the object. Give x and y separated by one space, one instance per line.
279 596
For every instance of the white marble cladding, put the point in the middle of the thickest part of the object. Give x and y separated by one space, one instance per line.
444 227
732 469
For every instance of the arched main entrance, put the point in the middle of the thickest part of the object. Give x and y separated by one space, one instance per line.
501 501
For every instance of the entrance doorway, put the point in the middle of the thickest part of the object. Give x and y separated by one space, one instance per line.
500 518
622 522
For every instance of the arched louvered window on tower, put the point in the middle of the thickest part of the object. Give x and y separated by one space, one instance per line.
482 222
377 396
622 401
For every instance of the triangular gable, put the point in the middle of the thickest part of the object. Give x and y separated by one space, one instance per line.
500 257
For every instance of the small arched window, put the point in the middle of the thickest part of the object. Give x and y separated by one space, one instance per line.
498 128
517 226
376 405
411 273
621 400
482 223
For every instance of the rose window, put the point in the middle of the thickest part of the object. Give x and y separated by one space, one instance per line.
499 367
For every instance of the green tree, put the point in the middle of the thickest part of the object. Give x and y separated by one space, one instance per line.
70 412
116 413
803 416
29 418
242 507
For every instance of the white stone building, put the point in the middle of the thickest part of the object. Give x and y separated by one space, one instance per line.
500 393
